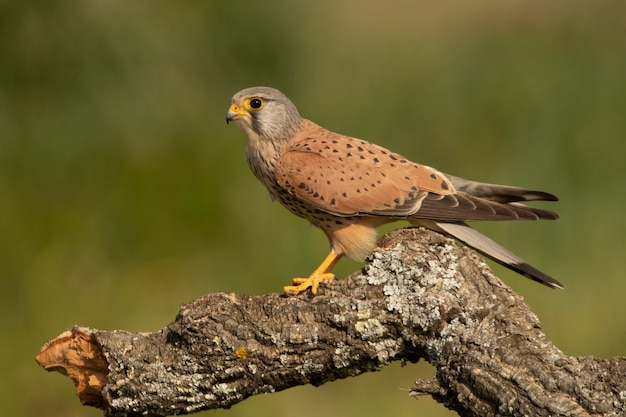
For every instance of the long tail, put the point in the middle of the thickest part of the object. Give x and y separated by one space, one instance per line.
488 247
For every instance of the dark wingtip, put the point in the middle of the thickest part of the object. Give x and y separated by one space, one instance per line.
537 196
547 196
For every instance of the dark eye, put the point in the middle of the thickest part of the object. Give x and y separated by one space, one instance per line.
256 103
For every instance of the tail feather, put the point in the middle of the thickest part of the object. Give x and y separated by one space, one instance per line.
488 247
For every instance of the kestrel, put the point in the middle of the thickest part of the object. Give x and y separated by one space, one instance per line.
348 186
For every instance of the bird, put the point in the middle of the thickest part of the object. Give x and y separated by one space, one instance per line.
347 187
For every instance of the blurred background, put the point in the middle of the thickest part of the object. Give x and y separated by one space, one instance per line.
124 194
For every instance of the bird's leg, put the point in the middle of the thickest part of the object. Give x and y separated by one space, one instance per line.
322 273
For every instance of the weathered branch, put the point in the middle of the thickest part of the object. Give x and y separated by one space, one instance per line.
420 296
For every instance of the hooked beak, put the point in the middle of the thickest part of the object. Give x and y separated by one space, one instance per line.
234 113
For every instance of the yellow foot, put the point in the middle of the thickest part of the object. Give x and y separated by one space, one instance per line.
322 273
301 284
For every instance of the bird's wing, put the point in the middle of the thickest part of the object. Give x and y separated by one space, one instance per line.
346 176
462 206
499 193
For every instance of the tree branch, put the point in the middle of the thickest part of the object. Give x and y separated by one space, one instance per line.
419 296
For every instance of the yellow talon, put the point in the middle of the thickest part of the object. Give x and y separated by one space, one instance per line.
322 273
301 284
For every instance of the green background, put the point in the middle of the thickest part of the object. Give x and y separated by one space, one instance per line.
124 194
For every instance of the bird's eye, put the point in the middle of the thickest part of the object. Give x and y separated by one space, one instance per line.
256 103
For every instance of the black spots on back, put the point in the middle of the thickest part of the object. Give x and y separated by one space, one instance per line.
353 148
444 185
433 176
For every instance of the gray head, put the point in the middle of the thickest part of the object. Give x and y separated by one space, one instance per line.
264 113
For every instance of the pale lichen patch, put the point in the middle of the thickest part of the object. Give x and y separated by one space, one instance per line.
341 357
370 329
387 350
406 282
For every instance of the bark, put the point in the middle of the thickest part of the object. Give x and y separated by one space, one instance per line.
420 296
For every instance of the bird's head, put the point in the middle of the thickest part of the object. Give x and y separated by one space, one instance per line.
264 113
